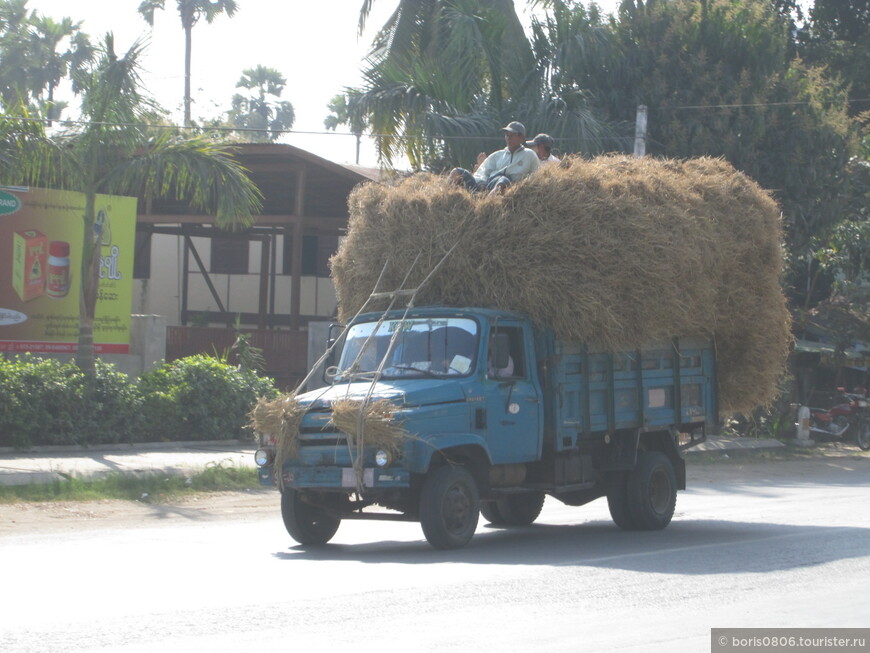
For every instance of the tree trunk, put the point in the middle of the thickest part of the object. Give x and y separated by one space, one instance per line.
188 44
90 277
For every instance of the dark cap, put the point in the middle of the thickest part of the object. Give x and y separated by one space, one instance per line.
515 127
542 139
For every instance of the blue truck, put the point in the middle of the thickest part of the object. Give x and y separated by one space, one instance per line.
498 413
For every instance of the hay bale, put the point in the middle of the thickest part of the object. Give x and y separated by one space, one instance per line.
613 251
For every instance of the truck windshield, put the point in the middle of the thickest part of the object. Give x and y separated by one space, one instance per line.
423 347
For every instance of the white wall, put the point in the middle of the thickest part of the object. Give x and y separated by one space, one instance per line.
161 294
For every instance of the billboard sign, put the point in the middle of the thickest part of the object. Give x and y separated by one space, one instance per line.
41 235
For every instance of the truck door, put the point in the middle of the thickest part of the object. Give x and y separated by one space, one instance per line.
514 423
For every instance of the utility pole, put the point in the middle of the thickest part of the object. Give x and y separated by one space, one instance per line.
640 132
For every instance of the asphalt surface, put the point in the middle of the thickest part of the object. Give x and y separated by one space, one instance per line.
49 464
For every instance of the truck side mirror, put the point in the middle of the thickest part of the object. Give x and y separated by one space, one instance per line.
334 351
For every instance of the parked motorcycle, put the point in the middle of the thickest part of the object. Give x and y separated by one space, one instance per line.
849 416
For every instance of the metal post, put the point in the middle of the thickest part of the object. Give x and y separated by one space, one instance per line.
803 425
640 132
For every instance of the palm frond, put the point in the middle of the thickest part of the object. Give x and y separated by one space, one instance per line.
196 170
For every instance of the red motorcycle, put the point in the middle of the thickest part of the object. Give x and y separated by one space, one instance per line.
847 417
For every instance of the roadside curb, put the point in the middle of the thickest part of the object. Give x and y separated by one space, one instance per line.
729 447
51 464
230 445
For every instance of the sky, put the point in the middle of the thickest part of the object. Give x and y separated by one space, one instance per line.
314 44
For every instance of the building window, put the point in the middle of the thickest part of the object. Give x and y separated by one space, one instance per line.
316 252
142 256
229 256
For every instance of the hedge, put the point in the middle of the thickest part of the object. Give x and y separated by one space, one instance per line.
46 402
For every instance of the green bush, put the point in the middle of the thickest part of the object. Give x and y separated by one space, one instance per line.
40 401
44 401
200 398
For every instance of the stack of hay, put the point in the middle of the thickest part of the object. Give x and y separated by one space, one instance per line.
614 252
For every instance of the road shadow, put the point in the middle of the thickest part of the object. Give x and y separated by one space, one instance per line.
701 547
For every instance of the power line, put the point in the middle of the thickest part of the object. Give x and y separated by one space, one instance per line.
241 130
754 105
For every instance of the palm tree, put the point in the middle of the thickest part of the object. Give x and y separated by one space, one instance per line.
444 75
190 11
115 151
439 75
342 112
262 118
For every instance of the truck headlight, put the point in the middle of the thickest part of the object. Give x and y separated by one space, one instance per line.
263 457
383 458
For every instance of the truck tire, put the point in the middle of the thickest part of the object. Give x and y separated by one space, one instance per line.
490 512
617 500
521 509
449 507
307 524
652 491
517 510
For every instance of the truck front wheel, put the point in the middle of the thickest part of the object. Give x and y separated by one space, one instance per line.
306 523
651 491
449 505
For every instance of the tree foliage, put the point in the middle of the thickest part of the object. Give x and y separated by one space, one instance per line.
837 35
718 80
36 54
116 150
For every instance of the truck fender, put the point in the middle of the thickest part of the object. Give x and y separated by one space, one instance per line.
452 447
665 442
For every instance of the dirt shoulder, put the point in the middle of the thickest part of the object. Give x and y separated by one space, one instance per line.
60 516
816 463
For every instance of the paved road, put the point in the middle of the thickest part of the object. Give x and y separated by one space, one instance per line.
752 545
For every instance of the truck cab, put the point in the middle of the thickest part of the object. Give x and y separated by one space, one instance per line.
485 412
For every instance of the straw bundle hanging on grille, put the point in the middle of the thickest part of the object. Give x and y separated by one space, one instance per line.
379 429
279 417
614 251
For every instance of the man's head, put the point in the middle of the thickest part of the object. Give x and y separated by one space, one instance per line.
514 134
542 144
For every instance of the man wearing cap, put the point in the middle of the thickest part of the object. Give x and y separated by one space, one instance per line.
542 145
500 169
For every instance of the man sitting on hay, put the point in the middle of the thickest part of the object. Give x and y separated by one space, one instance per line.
500 169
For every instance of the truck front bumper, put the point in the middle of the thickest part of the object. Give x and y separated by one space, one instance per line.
341 478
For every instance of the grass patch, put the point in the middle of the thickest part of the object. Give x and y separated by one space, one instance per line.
148 487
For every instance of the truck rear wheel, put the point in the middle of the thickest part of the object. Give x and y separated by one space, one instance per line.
515 510
449 507
306 523
491 513
617 500
651 491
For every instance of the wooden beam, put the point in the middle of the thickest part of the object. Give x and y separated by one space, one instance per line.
265 246
327 222
296 272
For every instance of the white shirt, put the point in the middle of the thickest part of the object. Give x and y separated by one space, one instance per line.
550 159
517 164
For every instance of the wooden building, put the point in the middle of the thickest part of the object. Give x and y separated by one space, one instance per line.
271 279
